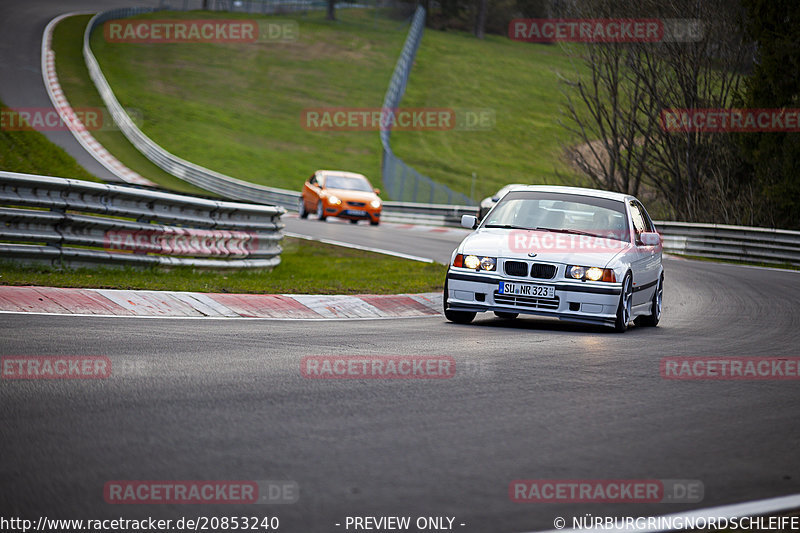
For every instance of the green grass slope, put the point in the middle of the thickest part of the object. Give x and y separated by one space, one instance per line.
236 108
30 152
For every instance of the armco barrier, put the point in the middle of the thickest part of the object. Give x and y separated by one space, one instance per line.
739 243
73 222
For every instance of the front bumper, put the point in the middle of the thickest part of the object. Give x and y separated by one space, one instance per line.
367 213
576 301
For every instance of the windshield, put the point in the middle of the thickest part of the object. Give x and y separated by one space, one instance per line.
349 183
568 213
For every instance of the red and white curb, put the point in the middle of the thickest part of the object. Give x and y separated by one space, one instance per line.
168 304
69 117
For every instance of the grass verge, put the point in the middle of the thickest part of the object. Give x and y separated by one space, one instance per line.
30 152
306 267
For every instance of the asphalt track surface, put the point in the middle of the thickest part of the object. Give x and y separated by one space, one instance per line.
531 399
425 242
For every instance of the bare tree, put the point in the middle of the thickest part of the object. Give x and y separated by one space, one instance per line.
615 107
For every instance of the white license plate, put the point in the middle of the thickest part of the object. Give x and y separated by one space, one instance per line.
526 289
356 213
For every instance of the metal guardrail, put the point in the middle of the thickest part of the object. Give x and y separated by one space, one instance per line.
257 6
65 221
401 180
738 243
427 214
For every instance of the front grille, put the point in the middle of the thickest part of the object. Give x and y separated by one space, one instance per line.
516 268
532 302
542 271
356 204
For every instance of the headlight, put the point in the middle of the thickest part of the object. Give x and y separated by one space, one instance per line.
333 200
375 204
591 273
488 263
473 262
594 274
576 272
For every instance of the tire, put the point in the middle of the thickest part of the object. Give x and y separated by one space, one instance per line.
506 316
625 304
353 221
654 317
320 211
302 209
459 317
374 222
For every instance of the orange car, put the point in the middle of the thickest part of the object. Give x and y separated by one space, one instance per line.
335 193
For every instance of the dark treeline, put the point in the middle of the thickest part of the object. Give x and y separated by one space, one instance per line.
748 57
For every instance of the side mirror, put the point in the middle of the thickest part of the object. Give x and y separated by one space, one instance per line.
469 221
376 191
649 238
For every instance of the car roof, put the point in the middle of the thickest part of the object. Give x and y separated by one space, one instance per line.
325 173
597 193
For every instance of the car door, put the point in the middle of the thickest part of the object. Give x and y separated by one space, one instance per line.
647 259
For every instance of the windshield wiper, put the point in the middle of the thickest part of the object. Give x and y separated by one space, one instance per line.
506 226
572 231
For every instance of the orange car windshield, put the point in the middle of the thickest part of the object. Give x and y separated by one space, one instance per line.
347 183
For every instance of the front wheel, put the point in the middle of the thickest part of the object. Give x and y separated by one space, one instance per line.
655 307
321 211
302 208
374 222
353 221
625 304
460 317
